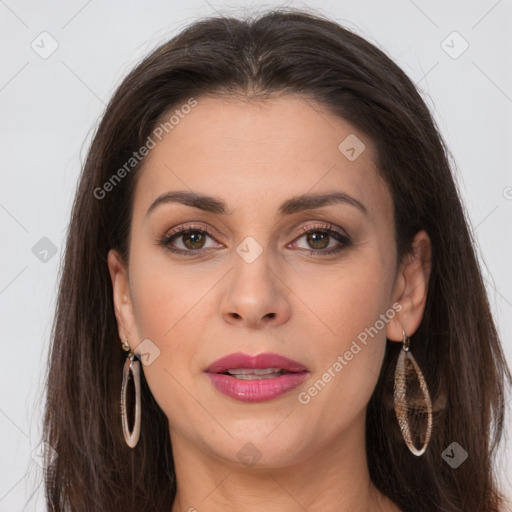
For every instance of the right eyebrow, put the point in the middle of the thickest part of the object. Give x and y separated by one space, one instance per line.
201 201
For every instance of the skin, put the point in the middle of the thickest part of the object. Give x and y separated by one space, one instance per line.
196 309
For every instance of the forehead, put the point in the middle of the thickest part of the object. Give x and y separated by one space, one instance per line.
254 153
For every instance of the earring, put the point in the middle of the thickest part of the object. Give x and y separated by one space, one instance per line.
132 366
405 364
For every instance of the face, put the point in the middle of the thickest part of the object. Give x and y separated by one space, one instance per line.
315 282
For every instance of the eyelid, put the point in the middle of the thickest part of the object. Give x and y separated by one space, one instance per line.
326 226
186 227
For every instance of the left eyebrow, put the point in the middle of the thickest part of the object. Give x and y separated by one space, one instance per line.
290 206
311 201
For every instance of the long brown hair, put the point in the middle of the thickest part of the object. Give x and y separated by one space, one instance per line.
456 345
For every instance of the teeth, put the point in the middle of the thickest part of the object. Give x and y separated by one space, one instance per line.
254 371
252 376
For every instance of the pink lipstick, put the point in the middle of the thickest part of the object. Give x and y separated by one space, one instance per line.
256 378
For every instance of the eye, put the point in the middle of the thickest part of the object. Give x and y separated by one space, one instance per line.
191 238
320 238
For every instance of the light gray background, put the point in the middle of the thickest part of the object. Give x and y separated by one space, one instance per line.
49 107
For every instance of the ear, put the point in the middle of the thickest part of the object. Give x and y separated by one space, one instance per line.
123 307
411 287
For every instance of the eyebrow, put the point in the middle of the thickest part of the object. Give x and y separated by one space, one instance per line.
290 206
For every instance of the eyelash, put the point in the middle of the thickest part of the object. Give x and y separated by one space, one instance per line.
324 229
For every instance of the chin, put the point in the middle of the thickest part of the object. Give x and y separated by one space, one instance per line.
259 447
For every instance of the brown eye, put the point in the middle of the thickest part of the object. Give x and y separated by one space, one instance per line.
187 241
193 239
318 240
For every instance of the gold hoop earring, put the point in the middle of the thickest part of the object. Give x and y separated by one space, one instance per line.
405 364
131 366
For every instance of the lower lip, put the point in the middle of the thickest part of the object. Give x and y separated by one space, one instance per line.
256 390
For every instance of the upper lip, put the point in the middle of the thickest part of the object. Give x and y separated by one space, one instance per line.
261 361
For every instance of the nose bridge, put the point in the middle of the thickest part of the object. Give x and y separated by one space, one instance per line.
251 270
250 250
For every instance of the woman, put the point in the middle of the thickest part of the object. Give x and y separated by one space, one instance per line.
270 298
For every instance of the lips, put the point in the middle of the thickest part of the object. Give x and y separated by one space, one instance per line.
256 378
263 361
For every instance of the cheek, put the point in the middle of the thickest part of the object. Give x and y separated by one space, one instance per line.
343 300
172 310
165 295
352 309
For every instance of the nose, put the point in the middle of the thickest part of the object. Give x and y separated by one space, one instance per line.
255 296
